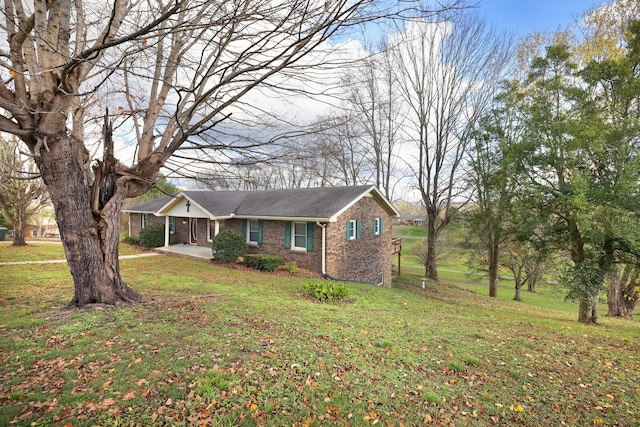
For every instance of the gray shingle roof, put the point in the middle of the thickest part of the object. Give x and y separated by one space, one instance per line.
317 203
151 206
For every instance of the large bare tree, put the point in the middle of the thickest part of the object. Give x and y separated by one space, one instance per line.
172 70
375 103
22 193
447 72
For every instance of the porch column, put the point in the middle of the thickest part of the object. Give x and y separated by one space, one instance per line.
166 232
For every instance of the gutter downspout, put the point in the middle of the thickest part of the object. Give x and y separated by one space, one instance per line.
324 247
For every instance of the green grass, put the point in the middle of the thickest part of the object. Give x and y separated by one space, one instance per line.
38 251
221 346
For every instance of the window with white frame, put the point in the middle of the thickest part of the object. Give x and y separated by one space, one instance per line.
380 280
299 236
172 225
377 226
144 220
353 229
253 227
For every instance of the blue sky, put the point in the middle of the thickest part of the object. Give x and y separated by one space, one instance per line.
524 17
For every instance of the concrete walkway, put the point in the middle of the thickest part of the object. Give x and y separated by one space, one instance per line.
192 251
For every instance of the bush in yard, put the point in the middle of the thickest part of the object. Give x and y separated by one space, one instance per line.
325 291
263 262
291 267
228 245
131 240
152 236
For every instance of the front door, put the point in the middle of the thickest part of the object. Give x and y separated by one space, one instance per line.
193 230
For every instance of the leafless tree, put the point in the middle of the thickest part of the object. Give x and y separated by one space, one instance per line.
173 71
447 72
375 103
22 193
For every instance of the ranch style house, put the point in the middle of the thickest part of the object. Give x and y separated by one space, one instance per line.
342 233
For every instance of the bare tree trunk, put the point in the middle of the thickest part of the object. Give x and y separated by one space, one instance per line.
518 295
615 305
531 286
622 295
588 311
90 239
493 254
431 262
19 232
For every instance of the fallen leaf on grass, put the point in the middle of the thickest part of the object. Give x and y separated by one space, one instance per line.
107 402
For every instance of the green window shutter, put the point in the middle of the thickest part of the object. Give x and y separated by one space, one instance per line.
357 229
287 235
243 227
348 226
381 225
260 226
309 237
373 226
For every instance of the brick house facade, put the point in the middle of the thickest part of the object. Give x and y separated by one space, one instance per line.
342 233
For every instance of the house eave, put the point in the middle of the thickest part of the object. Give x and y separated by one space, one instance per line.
378 196
137 211
285 218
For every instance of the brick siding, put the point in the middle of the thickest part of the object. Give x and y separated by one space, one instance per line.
361 259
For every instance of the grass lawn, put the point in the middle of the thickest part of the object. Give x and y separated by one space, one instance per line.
221 346
43 251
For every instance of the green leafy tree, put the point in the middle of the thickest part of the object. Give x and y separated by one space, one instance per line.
613 106
492 179
579 163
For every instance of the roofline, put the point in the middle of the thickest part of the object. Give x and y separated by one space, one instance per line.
285 218
137 211
370 190
373 190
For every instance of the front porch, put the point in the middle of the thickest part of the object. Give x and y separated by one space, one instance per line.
193 251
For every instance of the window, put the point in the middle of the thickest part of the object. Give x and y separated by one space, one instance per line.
300 235
377 226
172 225
353 229
380 280
253 231
144 220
